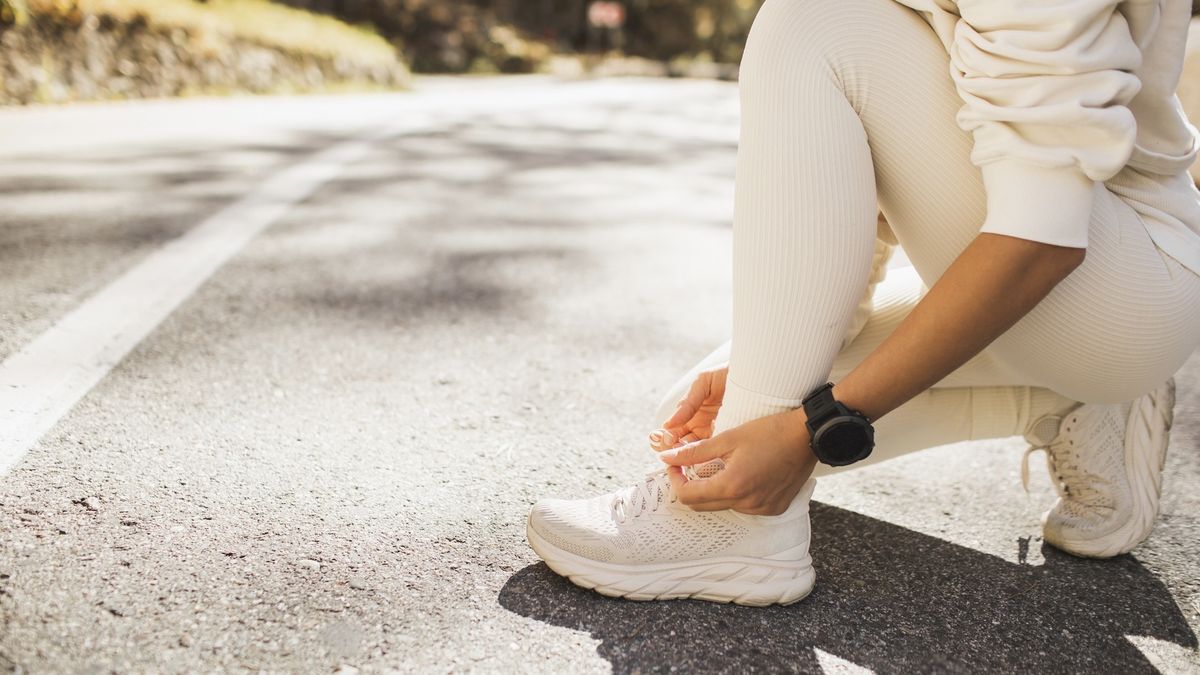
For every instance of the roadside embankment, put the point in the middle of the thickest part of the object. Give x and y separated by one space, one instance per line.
68 50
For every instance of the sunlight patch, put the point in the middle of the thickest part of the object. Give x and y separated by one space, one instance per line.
832 665
1166 657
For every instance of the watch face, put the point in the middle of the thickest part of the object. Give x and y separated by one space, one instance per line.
844 440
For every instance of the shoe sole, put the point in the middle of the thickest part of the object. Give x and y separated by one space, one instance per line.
757 582
1144 465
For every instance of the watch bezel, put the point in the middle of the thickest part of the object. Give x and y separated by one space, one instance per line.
853 419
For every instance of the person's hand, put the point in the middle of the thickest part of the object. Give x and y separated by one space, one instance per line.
767 461
693 419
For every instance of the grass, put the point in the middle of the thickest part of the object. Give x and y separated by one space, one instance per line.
257 21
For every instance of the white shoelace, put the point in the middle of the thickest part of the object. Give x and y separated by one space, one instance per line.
647 494
1070 479
655 488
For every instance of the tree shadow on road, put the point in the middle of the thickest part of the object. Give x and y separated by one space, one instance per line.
889 599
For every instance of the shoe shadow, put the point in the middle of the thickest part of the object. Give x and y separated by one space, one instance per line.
888 599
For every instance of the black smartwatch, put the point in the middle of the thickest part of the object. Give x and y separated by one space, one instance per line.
838 435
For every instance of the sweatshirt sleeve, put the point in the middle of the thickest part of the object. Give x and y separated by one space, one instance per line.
1045 86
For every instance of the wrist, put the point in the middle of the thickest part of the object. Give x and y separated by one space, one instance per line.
797 432
845 394
839 433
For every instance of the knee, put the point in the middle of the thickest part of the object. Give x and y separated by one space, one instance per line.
1112 370
785 37
1107 387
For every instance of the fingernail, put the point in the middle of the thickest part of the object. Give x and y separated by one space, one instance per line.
656 436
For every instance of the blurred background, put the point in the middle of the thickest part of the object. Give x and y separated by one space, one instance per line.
361 280
66 50
56 51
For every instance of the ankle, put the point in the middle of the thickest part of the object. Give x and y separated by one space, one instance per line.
742 405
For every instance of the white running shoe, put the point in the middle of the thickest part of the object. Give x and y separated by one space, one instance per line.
1107 462
641 543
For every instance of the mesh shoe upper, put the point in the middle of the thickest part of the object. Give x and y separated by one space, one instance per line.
1106 463
645 524
1086 460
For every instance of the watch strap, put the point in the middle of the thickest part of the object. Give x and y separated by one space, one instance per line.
819 404
820 409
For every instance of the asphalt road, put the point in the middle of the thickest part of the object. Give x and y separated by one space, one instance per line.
322 458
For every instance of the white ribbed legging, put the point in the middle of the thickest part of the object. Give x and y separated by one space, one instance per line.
849 144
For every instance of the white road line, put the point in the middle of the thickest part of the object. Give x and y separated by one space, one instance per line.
44 380
831 664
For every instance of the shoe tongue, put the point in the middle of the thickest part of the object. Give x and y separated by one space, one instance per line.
1044 431
705 470
695 472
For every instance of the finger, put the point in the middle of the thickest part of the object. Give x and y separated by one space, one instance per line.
694 453
690 403
664 438
675 475
661 439
719 505
700 426
677 434
699 495
691 436
683 413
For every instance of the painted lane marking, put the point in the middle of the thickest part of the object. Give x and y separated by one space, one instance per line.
45 379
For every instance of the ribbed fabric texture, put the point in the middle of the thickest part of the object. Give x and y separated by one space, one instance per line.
804 206
1058 93
978 400
848 111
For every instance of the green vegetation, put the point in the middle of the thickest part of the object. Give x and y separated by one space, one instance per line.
517 35
57 51
13 12
462 35
257 21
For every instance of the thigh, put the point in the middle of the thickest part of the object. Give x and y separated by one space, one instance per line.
1121 324
895 73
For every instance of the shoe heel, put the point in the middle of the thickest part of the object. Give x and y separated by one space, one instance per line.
798 553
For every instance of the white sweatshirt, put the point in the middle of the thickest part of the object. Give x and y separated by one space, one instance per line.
1062 94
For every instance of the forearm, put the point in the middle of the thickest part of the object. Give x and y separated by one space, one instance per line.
994 282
